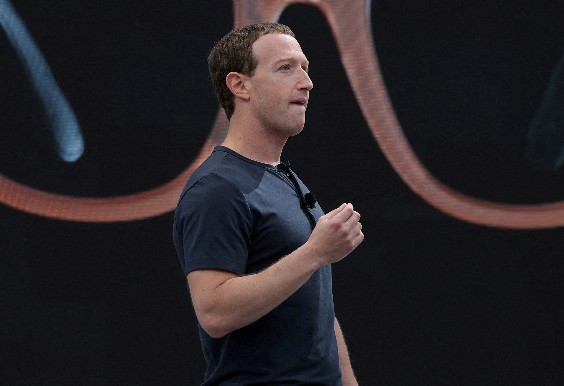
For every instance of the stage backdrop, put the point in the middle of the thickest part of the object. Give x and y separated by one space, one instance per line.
441 121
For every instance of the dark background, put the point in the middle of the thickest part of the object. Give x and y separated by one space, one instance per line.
425 300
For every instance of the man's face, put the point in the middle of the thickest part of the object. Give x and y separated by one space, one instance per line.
279 88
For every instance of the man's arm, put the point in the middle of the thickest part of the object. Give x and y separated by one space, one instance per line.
344 359
225 301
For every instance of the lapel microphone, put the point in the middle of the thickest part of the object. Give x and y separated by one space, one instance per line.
310 200
307 199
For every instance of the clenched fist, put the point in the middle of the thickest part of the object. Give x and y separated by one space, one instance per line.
336 234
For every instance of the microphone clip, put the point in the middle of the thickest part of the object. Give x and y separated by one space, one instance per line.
309 199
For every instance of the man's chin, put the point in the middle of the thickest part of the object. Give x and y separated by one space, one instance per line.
296 131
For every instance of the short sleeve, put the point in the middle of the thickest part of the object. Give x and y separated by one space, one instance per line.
212 226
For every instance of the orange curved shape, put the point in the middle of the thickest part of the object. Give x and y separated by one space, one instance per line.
137 206
354 40
350 23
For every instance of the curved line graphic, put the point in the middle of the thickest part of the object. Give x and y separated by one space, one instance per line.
138 206
360 61
58 112
350 23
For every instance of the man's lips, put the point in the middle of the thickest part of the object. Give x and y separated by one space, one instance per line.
300 102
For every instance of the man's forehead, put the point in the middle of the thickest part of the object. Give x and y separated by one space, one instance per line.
277 47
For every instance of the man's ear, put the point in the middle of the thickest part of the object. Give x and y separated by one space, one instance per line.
237 84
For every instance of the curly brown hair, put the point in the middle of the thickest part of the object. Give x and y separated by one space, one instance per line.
234 53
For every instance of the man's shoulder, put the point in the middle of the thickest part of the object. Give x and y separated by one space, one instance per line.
213 185
221 176
226 167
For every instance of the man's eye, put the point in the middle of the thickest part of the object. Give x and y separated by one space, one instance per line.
285 67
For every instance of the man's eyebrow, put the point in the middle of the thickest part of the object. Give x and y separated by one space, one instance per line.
291 59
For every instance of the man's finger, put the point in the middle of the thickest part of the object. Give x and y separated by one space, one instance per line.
345 213
353 219
334 212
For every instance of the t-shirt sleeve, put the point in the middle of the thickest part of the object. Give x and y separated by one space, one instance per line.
212 226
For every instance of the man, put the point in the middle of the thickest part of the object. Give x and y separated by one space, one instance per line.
255 246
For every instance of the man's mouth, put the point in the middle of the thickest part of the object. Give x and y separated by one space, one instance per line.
300 102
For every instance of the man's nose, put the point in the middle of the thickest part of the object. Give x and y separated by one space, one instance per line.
306 82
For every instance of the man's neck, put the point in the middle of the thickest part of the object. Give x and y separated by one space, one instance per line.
254 143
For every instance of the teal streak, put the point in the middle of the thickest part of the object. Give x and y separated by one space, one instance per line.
59 114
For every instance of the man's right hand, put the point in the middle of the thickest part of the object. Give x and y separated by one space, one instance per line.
336 234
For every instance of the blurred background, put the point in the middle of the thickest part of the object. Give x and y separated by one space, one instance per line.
426 299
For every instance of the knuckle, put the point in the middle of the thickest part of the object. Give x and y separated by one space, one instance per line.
343 232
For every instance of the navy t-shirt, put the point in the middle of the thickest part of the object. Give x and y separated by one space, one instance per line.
242 216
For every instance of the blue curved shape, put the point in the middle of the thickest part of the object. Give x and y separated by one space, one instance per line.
545 140
59 114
